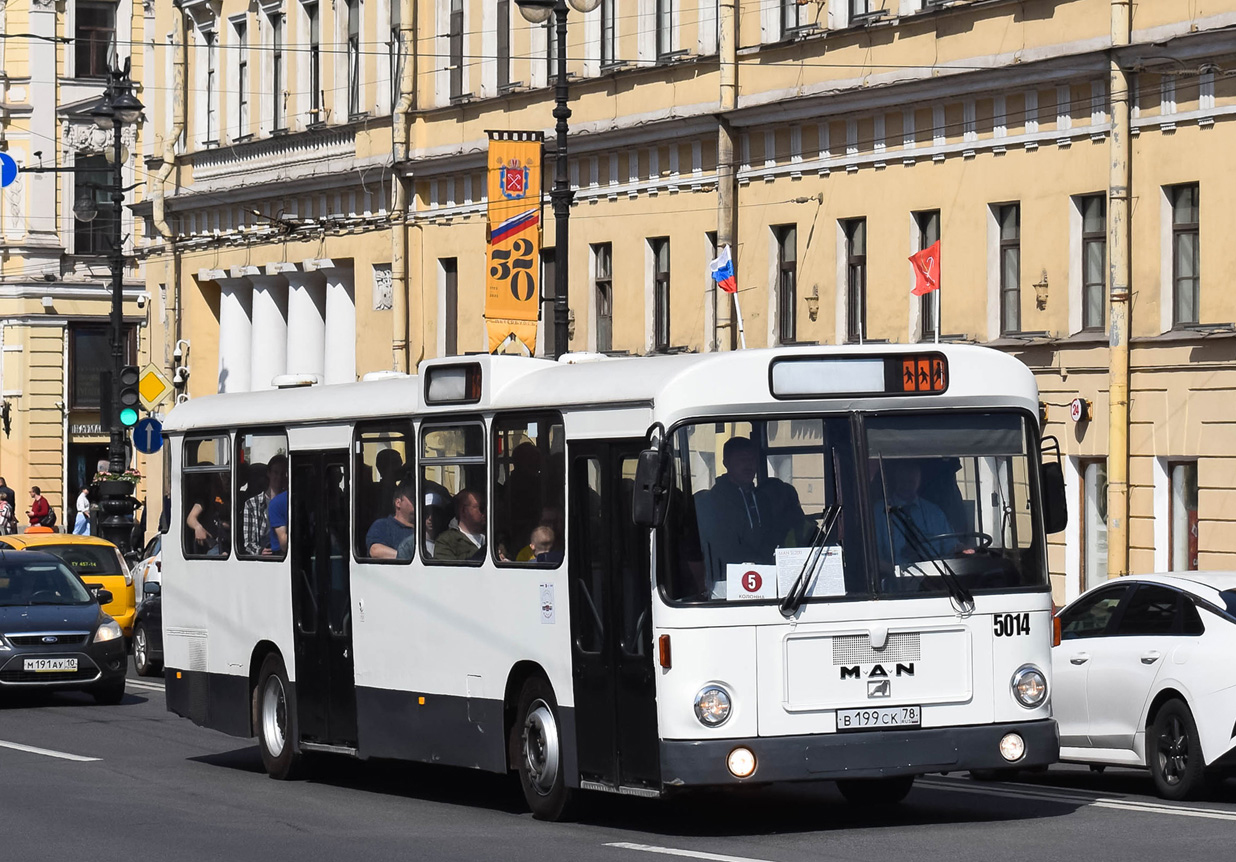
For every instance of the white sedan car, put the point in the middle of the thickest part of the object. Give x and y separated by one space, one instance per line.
1143 676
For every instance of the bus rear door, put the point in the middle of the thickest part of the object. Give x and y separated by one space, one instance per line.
611 623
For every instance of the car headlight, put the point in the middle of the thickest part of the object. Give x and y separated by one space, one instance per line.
4 645
712 706
108 631
1029 686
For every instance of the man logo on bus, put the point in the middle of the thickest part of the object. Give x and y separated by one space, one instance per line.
877 671
751 582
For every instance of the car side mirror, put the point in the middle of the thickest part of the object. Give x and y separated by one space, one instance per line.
103 596
151 588
651 493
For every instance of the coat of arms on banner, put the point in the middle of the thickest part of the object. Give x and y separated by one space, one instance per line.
514 177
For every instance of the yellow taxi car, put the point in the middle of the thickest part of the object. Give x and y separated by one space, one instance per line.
96 561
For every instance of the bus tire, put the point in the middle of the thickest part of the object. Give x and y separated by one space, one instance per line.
276 721
875 791
539 736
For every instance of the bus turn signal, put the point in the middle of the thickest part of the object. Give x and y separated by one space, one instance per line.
663 649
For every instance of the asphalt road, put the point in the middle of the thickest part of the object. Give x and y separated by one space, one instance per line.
135 782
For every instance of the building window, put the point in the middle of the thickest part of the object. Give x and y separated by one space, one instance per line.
855 230
315 62
94 30
212 82
603 281
92 182
609 33
242 79
928 225
503 15
660 248
792 14
354 88
786 237
665 28
551 51
90 354
1186 253
1182 528
858 8
1094 260
277 70
450 301
456 37
1009 218
1094 523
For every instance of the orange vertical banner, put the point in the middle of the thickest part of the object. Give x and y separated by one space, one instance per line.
513 271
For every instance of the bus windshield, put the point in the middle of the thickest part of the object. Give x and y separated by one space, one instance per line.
927 502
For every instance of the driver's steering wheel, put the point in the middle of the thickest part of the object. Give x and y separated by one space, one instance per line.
984 541
44 595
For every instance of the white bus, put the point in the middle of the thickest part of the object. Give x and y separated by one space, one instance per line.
625 574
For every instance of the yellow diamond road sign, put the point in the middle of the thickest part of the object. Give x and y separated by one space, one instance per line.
153 386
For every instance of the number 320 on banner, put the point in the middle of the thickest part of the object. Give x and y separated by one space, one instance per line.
514 266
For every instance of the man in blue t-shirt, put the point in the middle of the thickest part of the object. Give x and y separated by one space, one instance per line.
277 516
385 535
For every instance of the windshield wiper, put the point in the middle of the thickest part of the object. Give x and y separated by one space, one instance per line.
962 599
797 593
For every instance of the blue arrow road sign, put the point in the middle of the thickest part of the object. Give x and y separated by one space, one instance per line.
8 170
148 436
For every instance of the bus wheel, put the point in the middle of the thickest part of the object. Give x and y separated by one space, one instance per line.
541 773
275 721
875 791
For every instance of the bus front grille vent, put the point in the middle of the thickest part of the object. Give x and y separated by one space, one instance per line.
856 649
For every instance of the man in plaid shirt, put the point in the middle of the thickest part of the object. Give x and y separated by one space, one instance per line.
256 515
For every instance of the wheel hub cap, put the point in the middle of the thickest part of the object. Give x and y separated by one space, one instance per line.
274 716
541 755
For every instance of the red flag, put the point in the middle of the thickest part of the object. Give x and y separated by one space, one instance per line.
926 265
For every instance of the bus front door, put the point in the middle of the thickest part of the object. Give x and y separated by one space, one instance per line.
611 623
321 599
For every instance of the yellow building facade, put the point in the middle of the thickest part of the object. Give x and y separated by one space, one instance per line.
55 283
315 203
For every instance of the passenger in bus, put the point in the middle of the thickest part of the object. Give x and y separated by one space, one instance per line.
209 519
466 540
522 496
915 522
385 535
435 516
255 518
741 521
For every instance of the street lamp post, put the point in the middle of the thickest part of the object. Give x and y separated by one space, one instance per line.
538 12
118 109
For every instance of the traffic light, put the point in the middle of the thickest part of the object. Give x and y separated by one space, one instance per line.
130 398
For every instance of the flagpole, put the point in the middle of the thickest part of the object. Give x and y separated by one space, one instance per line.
742 338
937 311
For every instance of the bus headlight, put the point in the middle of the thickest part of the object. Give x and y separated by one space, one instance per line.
1029 686
712 706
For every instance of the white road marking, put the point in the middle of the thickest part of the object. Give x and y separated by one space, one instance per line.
150 686
691 854
47 752
1081 798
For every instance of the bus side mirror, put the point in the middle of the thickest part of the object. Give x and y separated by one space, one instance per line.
651 492
1055 505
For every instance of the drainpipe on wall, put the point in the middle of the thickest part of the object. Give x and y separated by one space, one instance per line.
179 39
1119 264
727 219
400 132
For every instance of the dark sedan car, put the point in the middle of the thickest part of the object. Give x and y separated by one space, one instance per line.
148 632
53 632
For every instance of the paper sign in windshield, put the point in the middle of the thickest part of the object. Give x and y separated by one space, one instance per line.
828 578
745 582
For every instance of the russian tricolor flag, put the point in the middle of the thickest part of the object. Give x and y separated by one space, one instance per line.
722 271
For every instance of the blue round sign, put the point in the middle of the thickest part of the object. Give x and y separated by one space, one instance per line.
148 436
8 170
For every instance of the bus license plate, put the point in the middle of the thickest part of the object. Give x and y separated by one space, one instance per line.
885 717
50 665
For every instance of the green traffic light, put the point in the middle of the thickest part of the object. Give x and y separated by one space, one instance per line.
128 417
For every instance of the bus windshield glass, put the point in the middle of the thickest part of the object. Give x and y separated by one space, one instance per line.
940 500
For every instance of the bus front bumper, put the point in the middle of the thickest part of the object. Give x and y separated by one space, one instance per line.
861 754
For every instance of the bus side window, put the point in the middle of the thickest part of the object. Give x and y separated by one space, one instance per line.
454 507
529 454
206 484
261 495
384 525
